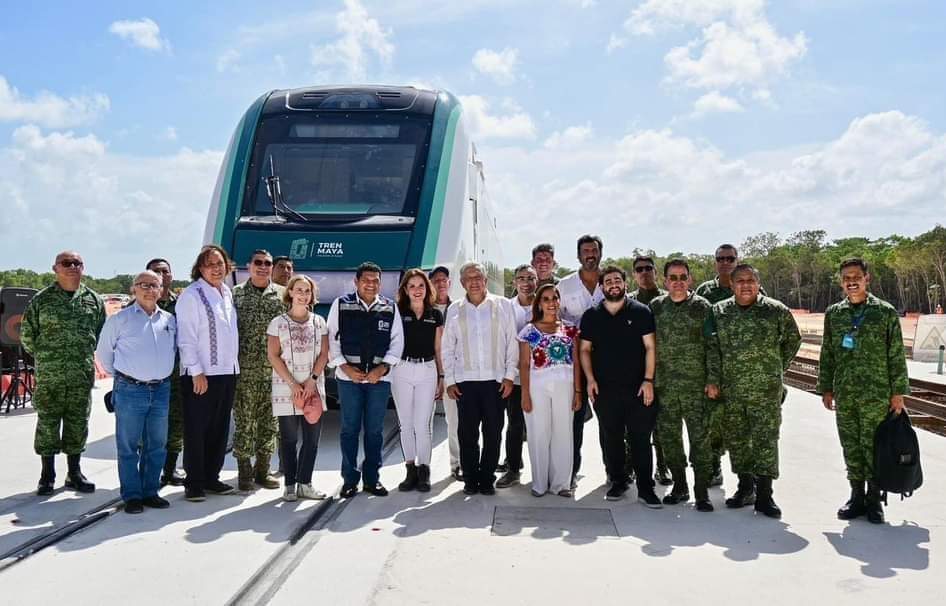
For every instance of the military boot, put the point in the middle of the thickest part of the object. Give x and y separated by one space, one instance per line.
263 475
856 506
745 492
701 494
75 480
47 478
244 475
763 502
663 475
423 478
875 511
171 475
410 482
681 491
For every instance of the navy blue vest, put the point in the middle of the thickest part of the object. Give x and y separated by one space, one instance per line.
364 335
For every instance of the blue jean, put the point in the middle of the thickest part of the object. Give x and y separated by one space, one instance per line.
362 405
141 420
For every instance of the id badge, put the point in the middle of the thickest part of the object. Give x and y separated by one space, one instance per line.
848 342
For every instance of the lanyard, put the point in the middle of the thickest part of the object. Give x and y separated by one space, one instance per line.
858 320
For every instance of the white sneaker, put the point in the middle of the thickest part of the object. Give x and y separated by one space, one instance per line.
290 493
305 491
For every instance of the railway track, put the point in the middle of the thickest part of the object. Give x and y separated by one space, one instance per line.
926 403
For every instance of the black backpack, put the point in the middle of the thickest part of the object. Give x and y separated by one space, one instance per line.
897 456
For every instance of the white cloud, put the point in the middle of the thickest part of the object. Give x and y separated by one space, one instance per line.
517 124
143 33
569 137
615 42
714 102
499 65
169 134
361 38
48 109
117 210
228 61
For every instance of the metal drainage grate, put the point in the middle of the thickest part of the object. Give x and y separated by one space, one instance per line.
551 522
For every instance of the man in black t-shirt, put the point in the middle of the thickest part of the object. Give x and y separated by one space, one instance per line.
618 356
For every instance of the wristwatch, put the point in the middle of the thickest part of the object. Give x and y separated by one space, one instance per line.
646 380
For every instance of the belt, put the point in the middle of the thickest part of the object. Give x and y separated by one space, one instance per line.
418 360
124 377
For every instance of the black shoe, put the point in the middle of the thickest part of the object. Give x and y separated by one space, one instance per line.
856 506
647 497
875 510
502 467
704 506
377 490
423 478
78 482
44 488
175 478
662 476
745 492
488 490
701 493
470 489
134 506
508 479
155 502
457 474
616 492
410 482
218 487
348 491
194 494
679 494
764 503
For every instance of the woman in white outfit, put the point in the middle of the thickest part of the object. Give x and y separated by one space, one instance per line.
298 351
549 371
417 379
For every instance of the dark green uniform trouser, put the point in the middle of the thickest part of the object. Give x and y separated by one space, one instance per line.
751 433
857 424
694 412
255 426
62 415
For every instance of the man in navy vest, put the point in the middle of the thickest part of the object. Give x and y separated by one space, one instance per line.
365 340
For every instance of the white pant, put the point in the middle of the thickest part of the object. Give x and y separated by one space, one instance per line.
549 427
451 414
413 385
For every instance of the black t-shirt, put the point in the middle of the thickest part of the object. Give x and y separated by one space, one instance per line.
419 334
617 347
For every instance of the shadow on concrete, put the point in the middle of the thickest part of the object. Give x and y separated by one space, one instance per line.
900 547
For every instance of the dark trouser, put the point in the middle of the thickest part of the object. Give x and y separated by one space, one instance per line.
363 406
298 463
516 430
578 433
206 428
621 411
479 404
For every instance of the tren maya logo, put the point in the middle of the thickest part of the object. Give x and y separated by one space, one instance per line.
303 248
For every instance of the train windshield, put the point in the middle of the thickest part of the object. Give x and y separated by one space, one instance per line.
342 165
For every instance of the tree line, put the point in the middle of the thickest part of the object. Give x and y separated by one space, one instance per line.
801 270
120 284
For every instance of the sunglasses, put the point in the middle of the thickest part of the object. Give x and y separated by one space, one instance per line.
678 277
726 259
644 268
71 263
262 263
148 286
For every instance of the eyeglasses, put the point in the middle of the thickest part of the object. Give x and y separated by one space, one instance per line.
644 268
72 263
678 277
726 259
262 263
148 286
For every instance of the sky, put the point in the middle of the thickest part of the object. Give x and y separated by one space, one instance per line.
670 125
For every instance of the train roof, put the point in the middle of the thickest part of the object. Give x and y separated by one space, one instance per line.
351 98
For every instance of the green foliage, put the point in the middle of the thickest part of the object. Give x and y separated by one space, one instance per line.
120 284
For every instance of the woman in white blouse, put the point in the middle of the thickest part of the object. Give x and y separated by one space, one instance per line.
298 351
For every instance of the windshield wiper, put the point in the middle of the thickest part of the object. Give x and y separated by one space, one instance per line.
274 193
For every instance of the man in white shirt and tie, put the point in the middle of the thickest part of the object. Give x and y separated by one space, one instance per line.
480 356
208 343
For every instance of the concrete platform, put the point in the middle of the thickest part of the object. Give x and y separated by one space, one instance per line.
445 548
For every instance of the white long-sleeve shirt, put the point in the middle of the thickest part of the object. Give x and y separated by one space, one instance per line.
207 336
576 299
335 357
479 341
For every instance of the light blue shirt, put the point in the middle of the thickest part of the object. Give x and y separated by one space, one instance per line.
138 345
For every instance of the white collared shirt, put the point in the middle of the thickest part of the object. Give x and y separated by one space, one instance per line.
335 357
479 341
138 345
576 299
205 351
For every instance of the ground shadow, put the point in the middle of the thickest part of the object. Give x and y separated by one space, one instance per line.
883 549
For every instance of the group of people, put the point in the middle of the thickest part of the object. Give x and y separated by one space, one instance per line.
645 361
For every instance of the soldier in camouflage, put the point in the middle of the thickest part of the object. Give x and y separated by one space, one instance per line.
175 444
60 328
257 302
862 374
682 350
753 339
714 291
645 275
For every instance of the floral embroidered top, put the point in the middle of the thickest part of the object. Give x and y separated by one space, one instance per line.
551 351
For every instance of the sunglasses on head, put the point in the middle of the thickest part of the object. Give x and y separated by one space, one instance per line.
262 262
726 258
678 277
71 263
644 268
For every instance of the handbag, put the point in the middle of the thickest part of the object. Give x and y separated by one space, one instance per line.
310 406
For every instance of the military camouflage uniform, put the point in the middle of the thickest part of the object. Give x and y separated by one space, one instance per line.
751 348
60 330
256 427
863 379
682 350
713 292
646 296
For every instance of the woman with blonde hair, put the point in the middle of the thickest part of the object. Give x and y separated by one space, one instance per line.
298 351
418 379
